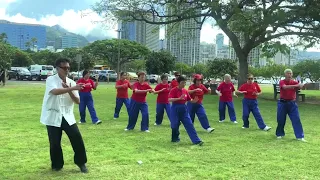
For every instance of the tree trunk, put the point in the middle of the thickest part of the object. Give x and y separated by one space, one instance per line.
243 70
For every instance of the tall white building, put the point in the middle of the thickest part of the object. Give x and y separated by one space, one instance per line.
141 32
184 41
207 52
223 52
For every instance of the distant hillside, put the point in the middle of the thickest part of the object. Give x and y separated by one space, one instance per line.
57 31
305 55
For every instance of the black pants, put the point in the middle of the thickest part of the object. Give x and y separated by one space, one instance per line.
56 155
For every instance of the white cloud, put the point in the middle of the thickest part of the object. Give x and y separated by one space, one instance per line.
81 22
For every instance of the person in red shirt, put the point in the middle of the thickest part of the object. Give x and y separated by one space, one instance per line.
287 106
179 112
174 83
122 86
225 91
197 89
251 91
138 103
86 99
162 90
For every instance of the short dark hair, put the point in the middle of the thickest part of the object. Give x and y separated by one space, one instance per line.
195 80
61 60
123 73
164 76
181 78
85 72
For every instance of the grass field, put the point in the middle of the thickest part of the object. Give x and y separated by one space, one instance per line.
230 152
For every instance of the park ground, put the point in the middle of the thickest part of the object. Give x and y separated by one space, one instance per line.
230 152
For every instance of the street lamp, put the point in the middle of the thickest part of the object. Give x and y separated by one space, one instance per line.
118 64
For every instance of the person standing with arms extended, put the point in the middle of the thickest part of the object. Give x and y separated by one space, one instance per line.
86 99
287 106
138 103
225 91
174 83
179 112
162 90
57 114
197 89
251 92
122 86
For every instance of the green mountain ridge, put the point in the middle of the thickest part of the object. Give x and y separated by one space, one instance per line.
56 32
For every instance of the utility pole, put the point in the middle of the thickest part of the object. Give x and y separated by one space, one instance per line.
118 64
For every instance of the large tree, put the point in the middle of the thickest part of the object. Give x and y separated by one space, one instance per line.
87 61
219 67
308 69
5 56
117 52
247 23
160 62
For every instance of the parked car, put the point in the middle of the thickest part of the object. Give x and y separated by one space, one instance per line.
153 78
132 76
75 75
94 74
40 72
11 74
23 73
170 78
104 74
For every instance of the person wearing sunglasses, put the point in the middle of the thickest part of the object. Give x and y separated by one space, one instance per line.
251 91
226 90
138 103
174 83
57 114
86 99
197 89
162 89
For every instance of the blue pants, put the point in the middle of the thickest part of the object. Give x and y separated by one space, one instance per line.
290 108
119 103
179 113
195 108
135 107
251 105
160 111
222 111
87 101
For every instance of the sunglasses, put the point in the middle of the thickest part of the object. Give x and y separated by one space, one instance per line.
250 78
65 68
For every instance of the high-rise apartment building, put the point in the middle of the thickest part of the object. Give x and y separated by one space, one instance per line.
141 32
18 34
207 52
183 41
69 41
219 41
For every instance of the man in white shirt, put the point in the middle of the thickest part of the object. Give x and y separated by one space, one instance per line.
57 114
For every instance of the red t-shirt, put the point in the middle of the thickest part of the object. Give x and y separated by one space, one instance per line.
163 96
226 90
140 97
250 88
198 93
288 94
123 91
177 93
88 85
174 83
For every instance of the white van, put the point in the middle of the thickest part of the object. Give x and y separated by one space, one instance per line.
40 72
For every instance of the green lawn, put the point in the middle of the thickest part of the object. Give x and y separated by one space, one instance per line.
228 153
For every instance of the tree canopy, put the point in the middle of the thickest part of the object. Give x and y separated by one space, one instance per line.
219 67
247 23
160 62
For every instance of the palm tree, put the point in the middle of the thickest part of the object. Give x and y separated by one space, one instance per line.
28 45
33 42
3 37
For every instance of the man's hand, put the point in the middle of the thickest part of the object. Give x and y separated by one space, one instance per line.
77 87
255 93
198 89
301 85
235 95
243 92
150 90
182 97
219 93
196 99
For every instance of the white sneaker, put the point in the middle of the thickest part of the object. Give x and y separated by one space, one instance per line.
81 122
126 129
210 130
221 121
115 118
156 124
301 139
267 128
146 131
279 137
235 122
244 127
98 122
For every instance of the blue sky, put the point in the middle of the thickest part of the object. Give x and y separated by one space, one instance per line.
77 17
